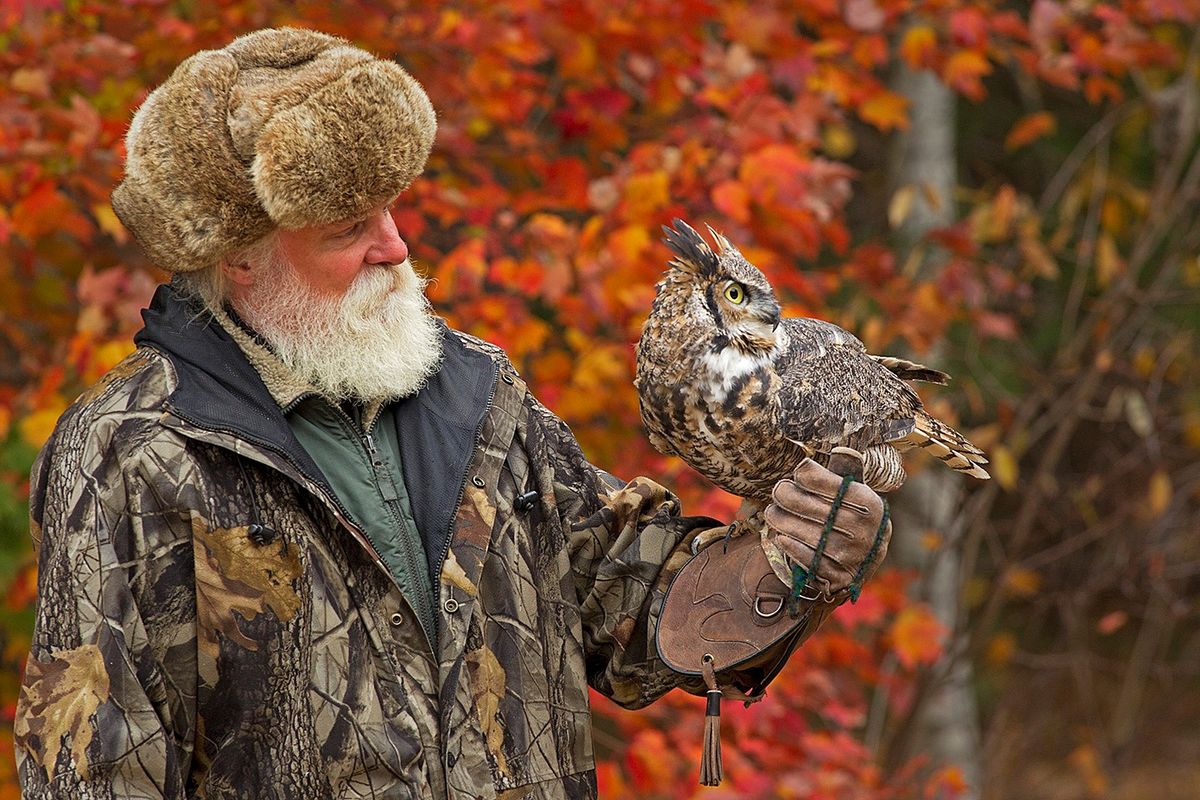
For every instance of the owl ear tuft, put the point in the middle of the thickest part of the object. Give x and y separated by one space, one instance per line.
723 244
692 253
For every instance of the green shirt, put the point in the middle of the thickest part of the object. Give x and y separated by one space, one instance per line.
364 468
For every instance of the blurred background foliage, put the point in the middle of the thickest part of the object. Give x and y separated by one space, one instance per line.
1011 190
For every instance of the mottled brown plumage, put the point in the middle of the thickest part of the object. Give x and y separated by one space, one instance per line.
742 394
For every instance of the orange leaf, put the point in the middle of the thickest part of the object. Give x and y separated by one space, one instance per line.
1191 428
37 427
579 60
732 199
1109 262
647 193
963 72
1030 128
1086 762
1022 582
22 588
1095 89
1000 649
917 636
885 110
1158 497
627 244
947 782
919 46
40 212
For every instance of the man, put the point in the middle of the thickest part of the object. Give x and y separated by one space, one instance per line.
306 541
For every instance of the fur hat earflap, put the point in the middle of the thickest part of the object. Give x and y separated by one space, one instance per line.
282 128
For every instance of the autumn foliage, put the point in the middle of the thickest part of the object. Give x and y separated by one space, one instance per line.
1063 297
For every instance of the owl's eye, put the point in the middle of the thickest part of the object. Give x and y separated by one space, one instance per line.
735 294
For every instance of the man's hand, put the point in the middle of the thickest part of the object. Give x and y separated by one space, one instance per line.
837 552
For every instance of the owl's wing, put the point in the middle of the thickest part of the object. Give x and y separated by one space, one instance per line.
833 393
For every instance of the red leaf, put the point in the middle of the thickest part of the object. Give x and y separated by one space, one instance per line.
998 326
1112 622
956 239
969 27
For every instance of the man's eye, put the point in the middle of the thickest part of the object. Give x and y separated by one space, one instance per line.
346 233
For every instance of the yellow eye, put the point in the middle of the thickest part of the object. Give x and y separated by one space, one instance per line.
735 294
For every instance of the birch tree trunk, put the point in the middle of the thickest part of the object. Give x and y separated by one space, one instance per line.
945 726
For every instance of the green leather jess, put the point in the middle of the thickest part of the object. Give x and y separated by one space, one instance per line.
363 465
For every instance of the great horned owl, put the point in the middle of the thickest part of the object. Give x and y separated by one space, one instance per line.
742 395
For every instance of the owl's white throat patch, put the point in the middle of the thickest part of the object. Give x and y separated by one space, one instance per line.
730 364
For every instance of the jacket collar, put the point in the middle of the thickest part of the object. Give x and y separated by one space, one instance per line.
221 387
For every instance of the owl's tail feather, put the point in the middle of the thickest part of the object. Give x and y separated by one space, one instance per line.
951 447
912 371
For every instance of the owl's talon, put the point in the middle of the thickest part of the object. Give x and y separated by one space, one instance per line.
705 538
727 534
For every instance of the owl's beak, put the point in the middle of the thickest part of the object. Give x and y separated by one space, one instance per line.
776 318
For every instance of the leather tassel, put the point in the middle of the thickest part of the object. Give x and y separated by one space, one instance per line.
711 771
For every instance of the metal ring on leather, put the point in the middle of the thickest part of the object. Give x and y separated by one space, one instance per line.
758 610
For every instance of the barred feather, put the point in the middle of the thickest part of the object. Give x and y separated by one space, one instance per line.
912 371
943 442
883 469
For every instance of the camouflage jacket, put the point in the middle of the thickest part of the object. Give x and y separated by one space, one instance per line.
211 624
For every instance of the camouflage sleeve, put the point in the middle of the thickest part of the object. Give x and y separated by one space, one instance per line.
626 542
99 715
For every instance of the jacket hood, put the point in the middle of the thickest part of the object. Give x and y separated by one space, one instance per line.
216 388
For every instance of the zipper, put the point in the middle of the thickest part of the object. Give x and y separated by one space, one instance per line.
391 497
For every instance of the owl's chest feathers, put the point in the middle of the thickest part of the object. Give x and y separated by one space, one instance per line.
726 425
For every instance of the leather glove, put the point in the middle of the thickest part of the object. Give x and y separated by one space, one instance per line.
826 534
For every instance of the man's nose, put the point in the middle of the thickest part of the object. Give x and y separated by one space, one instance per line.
388 247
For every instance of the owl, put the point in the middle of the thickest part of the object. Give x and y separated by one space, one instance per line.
743 394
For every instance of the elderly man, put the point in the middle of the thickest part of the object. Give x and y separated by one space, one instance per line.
307 541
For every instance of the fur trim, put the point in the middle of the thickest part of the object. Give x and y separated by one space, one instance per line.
284 385
281 128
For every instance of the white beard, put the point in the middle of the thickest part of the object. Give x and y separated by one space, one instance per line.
380 341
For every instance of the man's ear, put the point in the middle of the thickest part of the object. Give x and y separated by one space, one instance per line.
237 270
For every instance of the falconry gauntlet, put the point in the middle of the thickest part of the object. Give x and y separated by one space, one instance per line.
745 603
736 611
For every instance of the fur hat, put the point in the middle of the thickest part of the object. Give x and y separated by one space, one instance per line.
282 128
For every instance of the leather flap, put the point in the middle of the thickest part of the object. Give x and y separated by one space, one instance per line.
726 602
